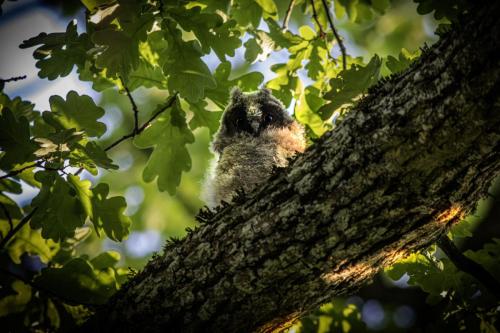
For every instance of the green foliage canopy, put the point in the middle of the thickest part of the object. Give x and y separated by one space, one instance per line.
164 45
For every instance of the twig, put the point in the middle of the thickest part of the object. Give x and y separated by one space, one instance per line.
18 171
469 266
43 289
134 107
31 166
288 14
335 33
13 231
15 78
145 125
315 16
140 129
7 215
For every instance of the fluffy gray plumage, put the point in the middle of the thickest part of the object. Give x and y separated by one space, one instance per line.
255 135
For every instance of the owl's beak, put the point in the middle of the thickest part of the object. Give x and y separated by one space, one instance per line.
255 124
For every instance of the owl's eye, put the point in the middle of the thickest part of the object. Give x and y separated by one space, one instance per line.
268 118
239 123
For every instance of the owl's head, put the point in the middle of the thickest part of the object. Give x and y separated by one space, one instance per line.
250 114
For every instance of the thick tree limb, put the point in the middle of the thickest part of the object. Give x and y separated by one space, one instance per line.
412 158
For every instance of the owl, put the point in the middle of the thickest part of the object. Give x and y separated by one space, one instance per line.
256 134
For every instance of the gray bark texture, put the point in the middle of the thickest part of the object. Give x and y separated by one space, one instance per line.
412 158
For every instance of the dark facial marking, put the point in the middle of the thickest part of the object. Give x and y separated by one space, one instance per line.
235 120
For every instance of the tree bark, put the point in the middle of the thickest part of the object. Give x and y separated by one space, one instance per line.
412 158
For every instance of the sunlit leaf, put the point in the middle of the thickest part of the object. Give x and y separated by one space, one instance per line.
79 112
404 60
168 134
349 84
187 73
59 52
59 211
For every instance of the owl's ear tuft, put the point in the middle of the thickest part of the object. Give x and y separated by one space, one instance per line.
236 94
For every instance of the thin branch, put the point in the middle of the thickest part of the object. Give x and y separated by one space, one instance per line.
134 106
288 14
21 224
469 266
34 285
7 215
139 129
15 78
335 33
18 171
145 125
315 16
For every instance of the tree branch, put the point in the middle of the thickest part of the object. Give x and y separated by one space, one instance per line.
469 266
18 171
169 103
315 16
288 14
135 132
337 36
412 158
18 227
15 78
134 107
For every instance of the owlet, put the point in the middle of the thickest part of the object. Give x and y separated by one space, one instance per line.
255 135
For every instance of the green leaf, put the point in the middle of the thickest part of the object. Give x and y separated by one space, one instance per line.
79 112
108 213
59 51
431 275
187 73
220 94
31 241
105 213
349 84
99 156
79 282
306 111
314 66
488 257
449 9
404 60
83 192
59 211
94 4
203 118
97 76
15 140
105 260
16 302
146 75
210 30
247 12
268 6
18 107
168 134
252 50
11 186
285 85
9 210
119 52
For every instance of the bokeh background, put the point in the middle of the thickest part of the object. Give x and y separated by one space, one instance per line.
384 305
